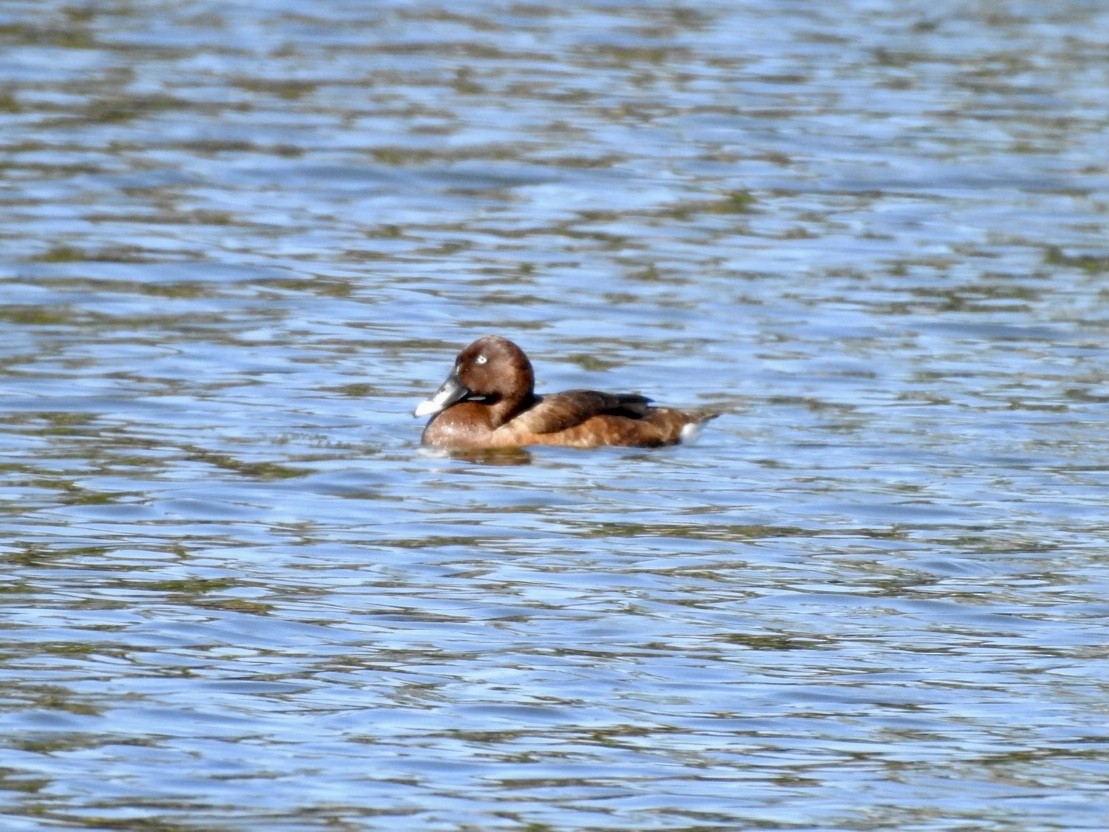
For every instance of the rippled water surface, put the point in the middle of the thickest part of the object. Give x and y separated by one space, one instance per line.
240 241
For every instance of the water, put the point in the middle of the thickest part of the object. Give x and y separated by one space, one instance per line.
242 241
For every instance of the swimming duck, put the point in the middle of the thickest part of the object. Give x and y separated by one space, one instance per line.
489 401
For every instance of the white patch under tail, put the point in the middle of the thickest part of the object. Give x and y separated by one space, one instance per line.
690 433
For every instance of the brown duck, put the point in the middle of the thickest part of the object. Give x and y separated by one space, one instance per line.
489 401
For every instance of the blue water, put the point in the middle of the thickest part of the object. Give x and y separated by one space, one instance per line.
241 241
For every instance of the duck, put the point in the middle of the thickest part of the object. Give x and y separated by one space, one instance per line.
489 401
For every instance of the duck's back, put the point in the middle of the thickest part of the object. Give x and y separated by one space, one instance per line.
588 419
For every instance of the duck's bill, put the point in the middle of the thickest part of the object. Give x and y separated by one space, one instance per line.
451 391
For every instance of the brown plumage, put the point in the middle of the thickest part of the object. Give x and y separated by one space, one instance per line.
489 401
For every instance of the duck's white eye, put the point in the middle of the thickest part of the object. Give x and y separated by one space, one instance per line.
481 359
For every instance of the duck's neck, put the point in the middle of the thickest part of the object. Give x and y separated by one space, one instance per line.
506 408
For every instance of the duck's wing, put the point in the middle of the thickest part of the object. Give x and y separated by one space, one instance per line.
561 411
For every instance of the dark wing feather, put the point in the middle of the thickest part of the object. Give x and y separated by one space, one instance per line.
561 411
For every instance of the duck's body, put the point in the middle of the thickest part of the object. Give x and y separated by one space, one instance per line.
488 401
